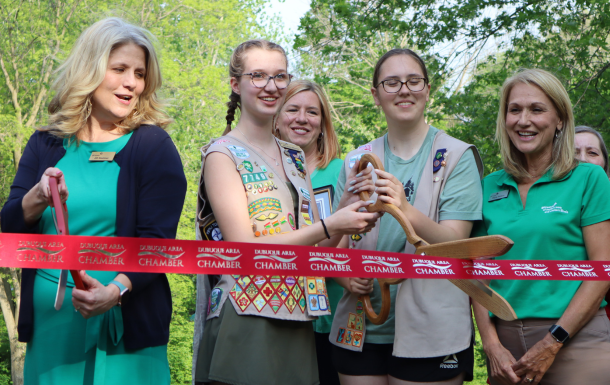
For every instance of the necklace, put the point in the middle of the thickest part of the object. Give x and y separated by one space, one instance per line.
263 151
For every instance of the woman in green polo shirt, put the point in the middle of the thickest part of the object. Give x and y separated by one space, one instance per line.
305 120
553 208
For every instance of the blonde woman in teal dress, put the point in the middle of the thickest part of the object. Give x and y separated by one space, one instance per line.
116 330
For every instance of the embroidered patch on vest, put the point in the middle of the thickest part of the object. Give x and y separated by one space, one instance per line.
273 291
264 204
290 146
253 177
212 232
215 298
298 159
248 166
353 160
439 159
239 152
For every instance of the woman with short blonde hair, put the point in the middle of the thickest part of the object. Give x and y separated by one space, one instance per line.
115 329
553 208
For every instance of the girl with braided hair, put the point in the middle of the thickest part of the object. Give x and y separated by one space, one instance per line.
256 188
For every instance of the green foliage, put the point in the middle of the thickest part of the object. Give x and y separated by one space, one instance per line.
5 355
180 347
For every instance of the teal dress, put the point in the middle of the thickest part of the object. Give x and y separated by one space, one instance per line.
65 348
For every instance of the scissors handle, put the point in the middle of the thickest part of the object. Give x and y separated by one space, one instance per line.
61 224
489 246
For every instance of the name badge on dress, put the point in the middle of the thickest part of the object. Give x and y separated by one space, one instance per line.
498 195
99 156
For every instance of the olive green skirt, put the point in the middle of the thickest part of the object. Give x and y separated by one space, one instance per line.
251 350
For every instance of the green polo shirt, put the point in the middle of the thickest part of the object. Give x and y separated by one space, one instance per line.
548 228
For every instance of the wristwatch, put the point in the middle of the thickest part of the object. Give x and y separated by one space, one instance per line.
559 333
124 292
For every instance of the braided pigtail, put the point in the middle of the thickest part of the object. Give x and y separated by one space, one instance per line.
233 104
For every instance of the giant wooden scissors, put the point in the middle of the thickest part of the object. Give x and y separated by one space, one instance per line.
474 248
60 218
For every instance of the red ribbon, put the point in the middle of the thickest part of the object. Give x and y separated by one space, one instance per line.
151 255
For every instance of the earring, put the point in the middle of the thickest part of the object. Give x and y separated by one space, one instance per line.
89 105
557 134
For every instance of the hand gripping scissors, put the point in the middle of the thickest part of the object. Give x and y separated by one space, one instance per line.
59 212
474 248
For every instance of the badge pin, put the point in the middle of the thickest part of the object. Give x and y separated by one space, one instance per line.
240 167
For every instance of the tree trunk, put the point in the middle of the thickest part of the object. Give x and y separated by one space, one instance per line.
17 361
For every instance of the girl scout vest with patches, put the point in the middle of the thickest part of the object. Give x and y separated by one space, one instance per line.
272 212
432 317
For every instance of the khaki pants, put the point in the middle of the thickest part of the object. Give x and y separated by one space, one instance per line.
584 360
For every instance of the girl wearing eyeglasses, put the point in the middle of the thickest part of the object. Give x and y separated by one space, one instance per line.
256 188
435 180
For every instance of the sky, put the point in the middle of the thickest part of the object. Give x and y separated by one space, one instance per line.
290 11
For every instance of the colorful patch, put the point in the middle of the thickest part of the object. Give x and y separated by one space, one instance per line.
253 177
322 302
359 322
348 337
302 304
366 147
248 166
340 335
439 157
290 303
220 142
353 159
321 285
259 302
351 321
282 220
252 291
275 303
215 298
313 302
260 280
290 281
356 237
239 152
291 221
305 204
283 292
311 285
267 291
307 218
264 204
263 168
243 302
235 292
276 280
297 291
357 339
265 217
305 193
244 281
298 159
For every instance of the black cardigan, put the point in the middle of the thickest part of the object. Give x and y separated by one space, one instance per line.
150 195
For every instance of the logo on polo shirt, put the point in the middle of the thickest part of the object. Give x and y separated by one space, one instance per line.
450 362
553 209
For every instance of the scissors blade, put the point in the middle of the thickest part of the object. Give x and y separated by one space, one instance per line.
472 248
487 297
61 289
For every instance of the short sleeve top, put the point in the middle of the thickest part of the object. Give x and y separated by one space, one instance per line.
549 227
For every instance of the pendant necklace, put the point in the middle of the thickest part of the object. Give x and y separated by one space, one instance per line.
263 151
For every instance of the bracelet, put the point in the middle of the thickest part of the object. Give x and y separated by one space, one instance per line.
325 229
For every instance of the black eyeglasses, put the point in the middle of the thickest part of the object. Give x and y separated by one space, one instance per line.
393 86
261 79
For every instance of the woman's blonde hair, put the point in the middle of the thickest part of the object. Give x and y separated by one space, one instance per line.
236 69
84 70
562 158
327 142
